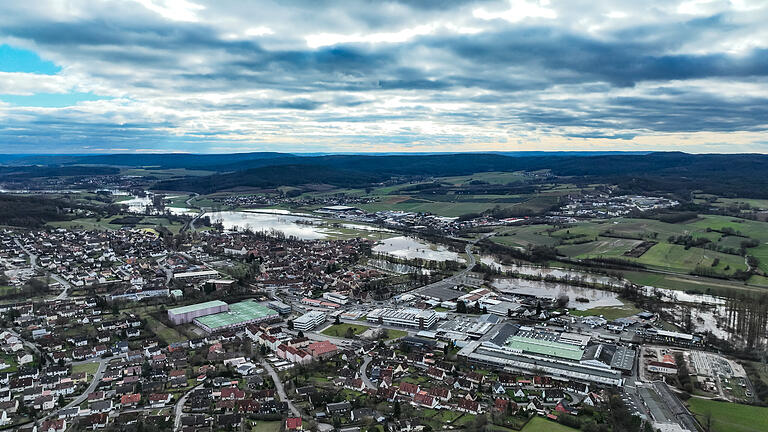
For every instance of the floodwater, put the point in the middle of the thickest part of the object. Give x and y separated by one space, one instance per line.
413 248
596 297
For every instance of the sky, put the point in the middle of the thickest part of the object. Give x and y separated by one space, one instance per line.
375 76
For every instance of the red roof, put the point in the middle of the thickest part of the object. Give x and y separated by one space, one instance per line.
130 399
293 423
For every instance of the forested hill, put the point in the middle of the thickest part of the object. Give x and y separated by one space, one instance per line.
737 175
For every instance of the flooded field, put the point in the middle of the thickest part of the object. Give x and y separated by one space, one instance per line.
413 248
597 298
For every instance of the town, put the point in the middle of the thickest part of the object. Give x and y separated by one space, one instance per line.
223 329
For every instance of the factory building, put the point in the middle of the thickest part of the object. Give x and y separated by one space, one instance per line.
309 320
408 317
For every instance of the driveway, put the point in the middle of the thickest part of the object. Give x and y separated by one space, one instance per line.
280 389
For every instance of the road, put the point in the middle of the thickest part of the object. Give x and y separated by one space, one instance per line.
280 389
364 375
454 279
178 409
91 387
33 262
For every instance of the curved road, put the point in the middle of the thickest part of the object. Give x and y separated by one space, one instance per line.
91 387
364 375
178 409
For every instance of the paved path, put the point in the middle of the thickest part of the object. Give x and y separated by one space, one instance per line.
178 409
280 389
364 375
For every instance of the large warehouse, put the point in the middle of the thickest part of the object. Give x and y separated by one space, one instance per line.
239 315
524 349
187 314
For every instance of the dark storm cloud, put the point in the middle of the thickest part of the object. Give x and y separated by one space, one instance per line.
551 75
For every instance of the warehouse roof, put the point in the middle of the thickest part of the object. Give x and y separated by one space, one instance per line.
238 313
545 347
197 306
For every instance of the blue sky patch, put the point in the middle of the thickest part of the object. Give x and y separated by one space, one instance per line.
50 100
20 60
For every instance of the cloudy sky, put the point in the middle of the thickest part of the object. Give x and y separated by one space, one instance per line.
358 76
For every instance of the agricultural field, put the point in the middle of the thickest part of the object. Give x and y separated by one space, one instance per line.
730 417
89 368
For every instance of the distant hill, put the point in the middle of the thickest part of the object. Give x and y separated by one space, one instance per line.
737 175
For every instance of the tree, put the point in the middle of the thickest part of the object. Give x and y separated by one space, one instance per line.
337 321
290 324
301 334
396 410
461 307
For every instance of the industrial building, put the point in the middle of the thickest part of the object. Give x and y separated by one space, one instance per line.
187 314
524 349
309 320
336 297
239 315
408 317
280 307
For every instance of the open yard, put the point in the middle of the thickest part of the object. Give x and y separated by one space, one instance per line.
540 424
89 368
341 330
730 417
610 312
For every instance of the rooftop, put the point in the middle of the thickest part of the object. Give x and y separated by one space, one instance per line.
545 347
196 307
238 313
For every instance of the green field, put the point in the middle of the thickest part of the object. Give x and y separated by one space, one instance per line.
267 426
89 368
677 258
603 246
340 330
730 417
162 331
540 424
524 235
7 290
103 224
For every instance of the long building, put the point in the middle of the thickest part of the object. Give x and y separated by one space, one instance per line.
239 315
309 320
187 314
523 349
408 317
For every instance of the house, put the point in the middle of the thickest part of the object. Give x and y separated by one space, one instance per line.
102 406
159 400
360 414
436 373
293 423
505 406
592 399
564 407
408 389
520 394
95 421
130 400
355 384
535 405
468 406
339 408
443 394
425 400
552 395
498 388
232 393
57 425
